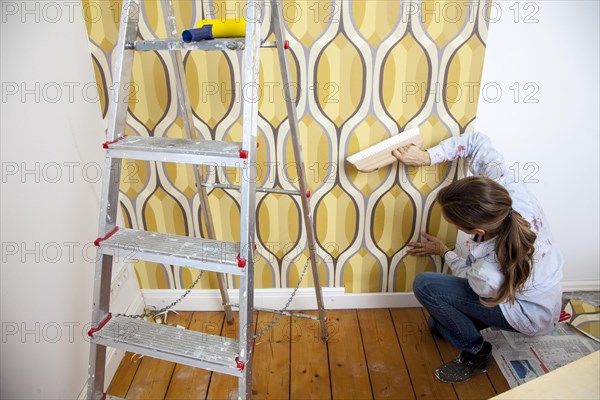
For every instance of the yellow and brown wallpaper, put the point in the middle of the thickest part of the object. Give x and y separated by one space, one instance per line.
362 71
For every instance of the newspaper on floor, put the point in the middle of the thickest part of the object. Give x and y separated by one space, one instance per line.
522 358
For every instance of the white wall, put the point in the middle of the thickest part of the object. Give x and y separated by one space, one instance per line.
559 134
50 214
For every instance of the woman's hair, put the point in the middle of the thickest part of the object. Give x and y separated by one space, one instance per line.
479 202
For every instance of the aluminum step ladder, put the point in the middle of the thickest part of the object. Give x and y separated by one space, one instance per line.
215 353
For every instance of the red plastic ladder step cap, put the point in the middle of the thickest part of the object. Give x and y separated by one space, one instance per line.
100 325
239 364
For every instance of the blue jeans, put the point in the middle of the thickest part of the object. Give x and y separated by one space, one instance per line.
456 312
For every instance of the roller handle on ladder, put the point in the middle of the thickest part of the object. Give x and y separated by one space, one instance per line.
198 34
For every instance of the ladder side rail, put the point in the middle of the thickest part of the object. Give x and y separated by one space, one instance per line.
248 192
279 30
110 190
185 108
117 113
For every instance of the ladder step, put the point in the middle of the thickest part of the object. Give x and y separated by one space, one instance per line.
178 45
165 342
187 151
258 189
205 254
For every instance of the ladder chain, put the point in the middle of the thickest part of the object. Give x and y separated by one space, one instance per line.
278 317
154 313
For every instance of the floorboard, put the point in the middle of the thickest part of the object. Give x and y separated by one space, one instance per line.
309 369
498 380
347 363
421 354
223 386
385 361
374 353
153 376
124 376
271 373
189 382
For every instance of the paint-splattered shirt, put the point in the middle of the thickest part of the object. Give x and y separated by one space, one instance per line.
538 305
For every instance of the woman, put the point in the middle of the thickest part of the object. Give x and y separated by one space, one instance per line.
511 276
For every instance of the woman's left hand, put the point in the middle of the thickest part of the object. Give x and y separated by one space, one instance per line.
432 246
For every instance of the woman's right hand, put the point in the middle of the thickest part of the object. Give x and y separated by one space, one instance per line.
433 245
412 155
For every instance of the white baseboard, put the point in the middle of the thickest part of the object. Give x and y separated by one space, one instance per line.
333 298
585 286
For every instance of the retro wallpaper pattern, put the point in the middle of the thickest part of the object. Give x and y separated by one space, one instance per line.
363 71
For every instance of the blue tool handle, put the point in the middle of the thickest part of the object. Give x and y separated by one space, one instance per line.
195 35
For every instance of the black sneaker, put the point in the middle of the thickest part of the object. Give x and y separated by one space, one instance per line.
466 365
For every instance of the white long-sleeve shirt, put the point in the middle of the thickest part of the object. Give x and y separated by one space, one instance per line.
537 306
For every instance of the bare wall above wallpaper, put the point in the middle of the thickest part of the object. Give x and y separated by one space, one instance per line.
363 71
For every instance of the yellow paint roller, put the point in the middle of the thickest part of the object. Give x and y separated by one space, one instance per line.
225 28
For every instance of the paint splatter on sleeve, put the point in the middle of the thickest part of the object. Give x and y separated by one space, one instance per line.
485 160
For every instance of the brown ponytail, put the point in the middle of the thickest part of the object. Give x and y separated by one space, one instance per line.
479 202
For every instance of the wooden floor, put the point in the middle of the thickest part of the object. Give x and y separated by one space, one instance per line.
376 353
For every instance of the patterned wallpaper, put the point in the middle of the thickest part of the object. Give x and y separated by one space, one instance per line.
363 70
